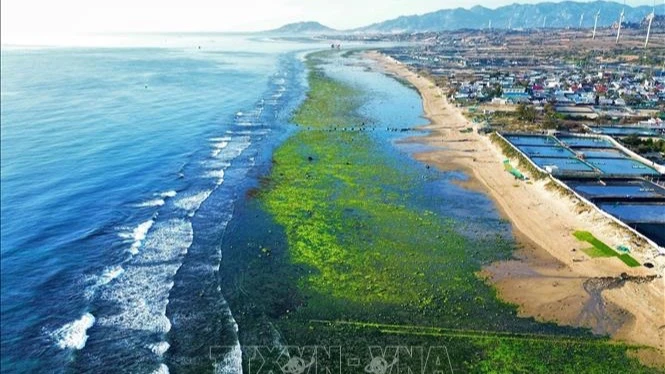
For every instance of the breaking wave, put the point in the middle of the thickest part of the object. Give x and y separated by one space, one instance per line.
74 334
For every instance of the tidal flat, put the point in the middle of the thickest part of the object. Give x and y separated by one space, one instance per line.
349 246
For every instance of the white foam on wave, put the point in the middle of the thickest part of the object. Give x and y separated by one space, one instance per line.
215 164
159 348
151 203
162 369
234 148
110 274
192 202
231 363
216 174
137 235
166 194
74 334
217 147
142 292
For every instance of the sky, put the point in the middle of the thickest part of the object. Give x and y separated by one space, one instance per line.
53 17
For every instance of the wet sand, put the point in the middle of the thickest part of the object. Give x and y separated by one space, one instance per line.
550 278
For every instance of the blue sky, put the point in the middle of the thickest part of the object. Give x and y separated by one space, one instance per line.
76 16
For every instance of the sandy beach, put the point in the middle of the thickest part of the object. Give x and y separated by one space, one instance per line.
550 278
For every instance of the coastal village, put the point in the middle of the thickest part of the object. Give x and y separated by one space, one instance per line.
591 117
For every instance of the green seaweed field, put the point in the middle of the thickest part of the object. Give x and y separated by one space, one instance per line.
335 252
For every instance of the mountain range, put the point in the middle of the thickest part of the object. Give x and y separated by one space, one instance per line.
309 27
518 16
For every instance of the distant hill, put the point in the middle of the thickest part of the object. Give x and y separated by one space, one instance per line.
303 28
563 14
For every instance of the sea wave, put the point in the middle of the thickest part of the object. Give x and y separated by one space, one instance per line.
74 335
143 289
137 235
216 174
110 274
170 193
217 147
151 203
159 348
192 202
162 369
234 149
231 363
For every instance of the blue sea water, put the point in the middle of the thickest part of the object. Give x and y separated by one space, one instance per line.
119 171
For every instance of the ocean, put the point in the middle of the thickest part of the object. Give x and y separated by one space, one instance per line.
120 169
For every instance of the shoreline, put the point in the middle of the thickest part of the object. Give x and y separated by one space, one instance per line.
550 278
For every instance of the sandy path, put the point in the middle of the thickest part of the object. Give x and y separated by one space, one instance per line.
547 280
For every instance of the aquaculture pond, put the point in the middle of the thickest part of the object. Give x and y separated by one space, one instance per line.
520 140
563 164
590 142
347 257
624 130
646 213
545 151
602 153
647 218
621 166
637 189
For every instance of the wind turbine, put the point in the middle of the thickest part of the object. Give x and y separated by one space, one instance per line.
650 17
544 21
595 23
620 21
489 26
510 22
581 19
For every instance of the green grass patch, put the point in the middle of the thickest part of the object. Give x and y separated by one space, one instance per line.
601 249
628 260
598 252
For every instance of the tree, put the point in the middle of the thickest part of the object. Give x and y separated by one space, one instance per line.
549 109
526 112
551 122
493 91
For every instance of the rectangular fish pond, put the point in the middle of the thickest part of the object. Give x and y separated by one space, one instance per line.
622 167
618 189
546 151
578 141
647 218
624 130
601 152
650 212
564 165
520 140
